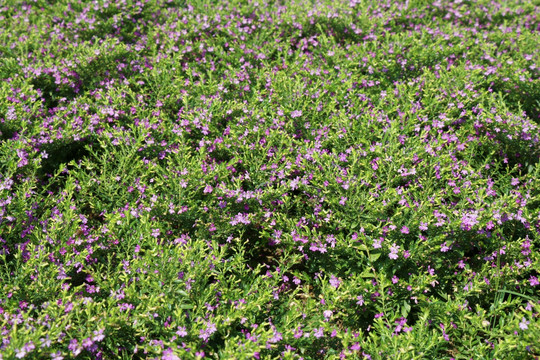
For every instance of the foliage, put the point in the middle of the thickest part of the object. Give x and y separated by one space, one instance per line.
269 180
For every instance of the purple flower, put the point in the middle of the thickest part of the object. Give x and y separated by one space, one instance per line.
20 353
74 347
318 333
445 335
11 114
526 246
169 355
98 335
45 342
398 328
277 337
208 331
523 324
181 331
444 247
27 348
393 252
404 230
296 113
327 314
87 342
334 281
240 218
534 281
22 154
57 356
126 306
294 183
469 220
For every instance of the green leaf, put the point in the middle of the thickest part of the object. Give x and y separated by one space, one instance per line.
373 257
518 294
181 292
405 309
362 247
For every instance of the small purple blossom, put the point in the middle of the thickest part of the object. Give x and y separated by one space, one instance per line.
334 281
57 356
296 113
327 314
523 325
11 113
240 218
74 347
318 333
27 348
445 247
169 355
393 252
87 342
445 335
98 335
181 331
209 329
469 220
45 342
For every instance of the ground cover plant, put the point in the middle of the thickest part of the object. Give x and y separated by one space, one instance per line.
269 180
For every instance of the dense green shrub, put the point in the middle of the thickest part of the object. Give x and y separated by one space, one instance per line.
240 179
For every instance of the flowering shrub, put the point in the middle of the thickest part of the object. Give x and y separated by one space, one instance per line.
240 179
